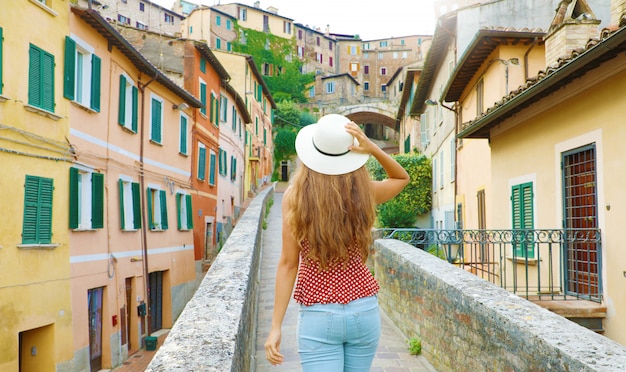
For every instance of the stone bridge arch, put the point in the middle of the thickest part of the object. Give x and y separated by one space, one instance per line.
379 120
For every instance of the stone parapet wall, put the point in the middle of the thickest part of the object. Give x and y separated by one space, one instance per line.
466 323
217 329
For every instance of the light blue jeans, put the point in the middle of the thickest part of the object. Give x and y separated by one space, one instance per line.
339 338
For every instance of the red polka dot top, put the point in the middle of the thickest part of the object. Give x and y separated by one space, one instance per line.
339 283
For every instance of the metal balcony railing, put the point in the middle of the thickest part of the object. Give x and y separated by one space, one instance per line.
551 264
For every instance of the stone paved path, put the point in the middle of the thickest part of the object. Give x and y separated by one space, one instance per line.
392 354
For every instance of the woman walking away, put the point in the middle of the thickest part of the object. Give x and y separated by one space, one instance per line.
328 213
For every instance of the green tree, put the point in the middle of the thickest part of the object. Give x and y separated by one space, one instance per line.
282 76
415 198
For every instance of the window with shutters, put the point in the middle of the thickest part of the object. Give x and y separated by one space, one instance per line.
156 119
183 134
203 97
233 118
37 221
81 76
184 212
40 79
330 87
224 108
214 113
127 111
201 161
156 200
233 168
86 199
522 208
212 169
223 163
130 204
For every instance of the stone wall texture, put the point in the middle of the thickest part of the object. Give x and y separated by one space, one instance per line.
217 329
467 323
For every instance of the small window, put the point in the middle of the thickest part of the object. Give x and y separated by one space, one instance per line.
169 18
142 7
223 162
366 86
218 20
81 74
383 70
130 207
201 162
330 87
184 211
183 136
37 221
212 169
123 19
156 119
141 26
41 79
157 209
127 111
86 199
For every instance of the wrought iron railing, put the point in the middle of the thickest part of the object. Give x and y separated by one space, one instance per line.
551 264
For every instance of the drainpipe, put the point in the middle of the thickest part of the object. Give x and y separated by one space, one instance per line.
534 43
144 223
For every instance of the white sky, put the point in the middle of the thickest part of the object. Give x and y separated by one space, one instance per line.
369 19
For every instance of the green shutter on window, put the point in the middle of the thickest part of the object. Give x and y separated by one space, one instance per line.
34 76
212 170
202 65
201 163
179 216
183 135
47 81
37 223
136 205
135 93
155 134
522 208
69 71
121 113
74 212
97 200
120 184
95 82
189 212
212 109
163 203
203 98
149 204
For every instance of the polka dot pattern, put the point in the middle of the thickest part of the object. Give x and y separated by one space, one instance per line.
339 283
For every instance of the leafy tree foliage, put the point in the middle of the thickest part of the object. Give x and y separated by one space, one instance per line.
274 57
414 200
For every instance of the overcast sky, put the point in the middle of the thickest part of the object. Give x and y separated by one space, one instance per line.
369 19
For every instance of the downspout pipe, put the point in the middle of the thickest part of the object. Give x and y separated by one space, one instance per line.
144 217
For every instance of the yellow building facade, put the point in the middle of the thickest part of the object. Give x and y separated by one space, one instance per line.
35 303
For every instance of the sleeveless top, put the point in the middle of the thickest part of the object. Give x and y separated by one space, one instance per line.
339 283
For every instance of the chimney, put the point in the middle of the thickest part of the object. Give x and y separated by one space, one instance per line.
257 4
572 27
618 13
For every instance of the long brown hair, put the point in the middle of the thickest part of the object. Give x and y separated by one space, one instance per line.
331 212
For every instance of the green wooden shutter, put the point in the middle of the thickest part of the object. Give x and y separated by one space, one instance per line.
212 170
201 163
121 113
135 93
178 210
202 65
183 135
74 207
522 219
37 225
150 204
95 82
203 98
163 203
34 76
120 184
155 134
212 109
136 205
189 212
97 200
47 76
69 71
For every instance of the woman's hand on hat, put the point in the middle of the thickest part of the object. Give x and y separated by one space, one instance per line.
365 144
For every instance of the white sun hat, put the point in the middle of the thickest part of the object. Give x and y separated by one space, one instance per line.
324 146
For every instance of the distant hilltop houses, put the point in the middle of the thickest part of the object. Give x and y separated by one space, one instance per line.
348 70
